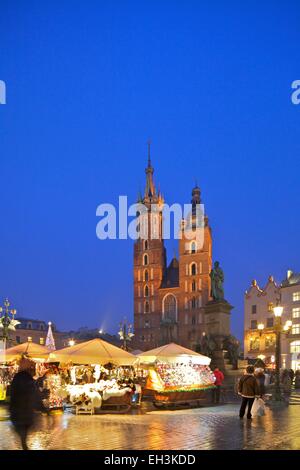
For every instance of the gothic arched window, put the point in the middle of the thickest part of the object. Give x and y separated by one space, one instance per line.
193 247
146 245
193 269
170 307
146 276
146 308
193 302
145 260
146 291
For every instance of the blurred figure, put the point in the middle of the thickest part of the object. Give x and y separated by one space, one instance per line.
216 392
286 382
23 400
297 379
260 376
267 379
292 375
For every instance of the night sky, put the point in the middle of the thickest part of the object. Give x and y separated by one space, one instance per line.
87 84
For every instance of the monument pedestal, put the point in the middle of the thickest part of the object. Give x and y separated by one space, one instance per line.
217 326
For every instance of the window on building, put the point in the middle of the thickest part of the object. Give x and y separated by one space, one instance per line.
193 286
143 338
193 269
147 323
146 276
296 312
253 309
193 321
29 339
193 302
29 326
18 339
146 245
170 307
254 344
296 329
296 296
270 322
253 324
145 260
295 347
270 306
270 342
193 247
146 307
146 291
41 326
42 341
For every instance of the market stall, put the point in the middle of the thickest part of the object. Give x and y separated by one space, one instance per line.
10 359
97 376
29 349
176 374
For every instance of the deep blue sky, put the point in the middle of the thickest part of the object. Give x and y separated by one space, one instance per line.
87 84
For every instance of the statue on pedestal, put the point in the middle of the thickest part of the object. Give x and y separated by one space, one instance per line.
217 280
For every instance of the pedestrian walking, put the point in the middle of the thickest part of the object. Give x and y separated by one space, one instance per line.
216 392
248 388
24 400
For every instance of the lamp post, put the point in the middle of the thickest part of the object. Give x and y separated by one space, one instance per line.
125 333
7 321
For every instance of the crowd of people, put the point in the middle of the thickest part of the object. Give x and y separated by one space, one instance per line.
256 383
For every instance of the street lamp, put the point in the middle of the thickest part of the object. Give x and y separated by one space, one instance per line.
71 342
279 328
7 321
125 333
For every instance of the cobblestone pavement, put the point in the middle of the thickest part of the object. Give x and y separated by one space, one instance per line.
200 428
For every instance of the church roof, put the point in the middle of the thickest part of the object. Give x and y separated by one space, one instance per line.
171 277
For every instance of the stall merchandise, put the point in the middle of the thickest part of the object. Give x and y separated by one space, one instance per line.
98 395
180 377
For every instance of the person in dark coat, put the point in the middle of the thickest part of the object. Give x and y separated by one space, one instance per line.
248 388
23 400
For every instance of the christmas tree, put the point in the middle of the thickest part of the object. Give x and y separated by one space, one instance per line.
50 343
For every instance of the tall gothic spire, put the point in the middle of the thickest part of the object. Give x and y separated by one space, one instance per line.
150 191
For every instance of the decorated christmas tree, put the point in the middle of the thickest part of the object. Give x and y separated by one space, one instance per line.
50 343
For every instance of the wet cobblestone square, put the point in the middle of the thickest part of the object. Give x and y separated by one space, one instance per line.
191 429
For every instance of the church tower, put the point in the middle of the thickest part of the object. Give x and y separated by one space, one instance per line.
149 264
195 262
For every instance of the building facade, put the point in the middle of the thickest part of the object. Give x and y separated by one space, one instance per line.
169 299
36 331
259 303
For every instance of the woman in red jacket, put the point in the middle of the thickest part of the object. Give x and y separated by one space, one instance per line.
218 383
